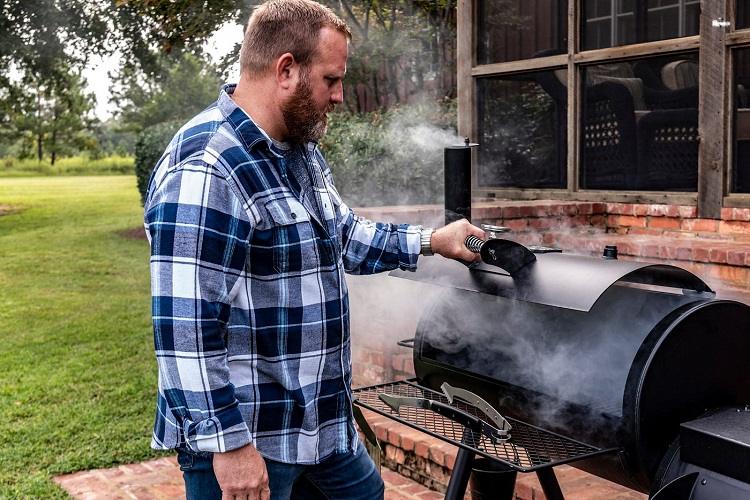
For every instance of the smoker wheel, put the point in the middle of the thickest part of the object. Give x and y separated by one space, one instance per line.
529 449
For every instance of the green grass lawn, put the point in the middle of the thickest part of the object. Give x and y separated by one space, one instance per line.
77 371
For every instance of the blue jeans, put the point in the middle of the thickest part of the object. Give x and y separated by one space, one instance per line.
346 476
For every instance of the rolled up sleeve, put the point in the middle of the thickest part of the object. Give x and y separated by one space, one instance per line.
198 232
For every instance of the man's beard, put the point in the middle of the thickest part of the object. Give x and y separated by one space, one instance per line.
304 123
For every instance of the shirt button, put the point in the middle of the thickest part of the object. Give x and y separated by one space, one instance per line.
294 216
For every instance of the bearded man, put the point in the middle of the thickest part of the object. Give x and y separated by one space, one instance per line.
249 245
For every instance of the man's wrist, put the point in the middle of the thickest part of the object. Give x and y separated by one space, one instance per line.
425 241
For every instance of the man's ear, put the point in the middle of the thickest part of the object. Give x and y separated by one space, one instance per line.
286 70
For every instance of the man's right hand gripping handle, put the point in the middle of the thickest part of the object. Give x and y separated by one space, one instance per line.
241 473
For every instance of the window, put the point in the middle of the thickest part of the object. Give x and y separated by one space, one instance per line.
610 23
640 125
523 130
510 30
613 113
741 170
743 14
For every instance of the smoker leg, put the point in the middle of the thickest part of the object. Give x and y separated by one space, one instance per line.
460 476
550 486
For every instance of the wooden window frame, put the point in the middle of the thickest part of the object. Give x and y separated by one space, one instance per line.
733 39
714 46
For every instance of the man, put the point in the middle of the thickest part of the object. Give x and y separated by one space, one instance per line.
249 245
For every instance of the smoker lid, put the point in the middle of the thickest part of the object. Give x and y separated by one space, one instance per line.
555 279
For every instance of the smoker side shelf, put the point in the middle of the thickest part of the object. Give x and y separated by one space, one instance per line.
529 449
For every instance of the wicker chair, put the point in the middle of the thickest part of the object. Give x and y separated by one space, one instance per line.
668 150
608 138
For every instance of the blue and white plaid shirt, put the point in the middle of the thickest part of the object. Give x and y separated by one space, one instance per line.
250 307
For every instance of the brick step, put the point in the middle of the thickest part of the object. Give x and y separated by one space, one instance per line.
430 461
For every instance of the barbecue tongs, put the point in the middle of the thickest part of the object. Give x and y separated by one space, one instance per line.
498 432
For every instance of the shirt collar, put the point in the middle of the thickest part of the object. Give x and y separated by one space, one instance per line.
244 125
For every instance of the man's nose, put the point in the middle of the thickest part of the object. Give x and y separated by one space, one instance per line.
337 96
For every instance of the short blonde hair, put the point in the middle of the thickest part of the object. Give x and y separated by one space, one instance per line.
280 26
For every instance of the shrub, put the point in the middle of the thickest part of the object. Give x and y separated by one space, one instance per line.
381 158
151 143
392 157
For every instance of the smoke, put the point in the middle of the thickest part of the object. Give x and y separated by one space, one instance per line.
391 158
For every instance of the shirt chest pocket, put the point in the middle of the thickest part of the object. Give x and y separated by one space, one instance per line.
290 236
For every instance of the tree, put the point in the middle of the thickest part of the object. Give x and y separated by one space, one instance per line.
187 85
52 115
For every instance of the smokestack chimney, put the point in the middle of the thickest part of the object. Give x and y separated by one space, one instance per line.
457 168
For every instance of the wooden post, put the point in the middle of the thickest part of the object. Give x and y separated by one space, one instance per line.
465 82
573 99
713 78
465 58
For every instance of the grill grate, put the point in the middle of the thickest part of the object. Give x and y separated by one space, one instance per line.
529 448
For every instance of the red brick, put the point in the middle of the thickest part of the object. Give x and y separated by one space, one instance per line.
437 455
542 224
381 431
736 257
644 231
488 212
621 208
650 250
700 225
526 211
688 212
655 210
734 227
736 214
718 256
511 213
393 478
598 221
742 214
516 224
421 448
672 211
664 222
599 208
631 221
738 276
701 253
640 210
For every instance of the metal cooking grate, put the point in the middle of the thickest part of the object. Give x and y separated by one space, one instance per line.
529 448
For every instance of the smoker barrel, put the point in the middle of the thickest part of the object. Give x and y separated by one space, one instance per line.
619 358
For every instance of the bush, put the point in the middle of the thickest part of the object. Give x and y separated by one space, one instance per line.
151 143
73 165
383 158
392 157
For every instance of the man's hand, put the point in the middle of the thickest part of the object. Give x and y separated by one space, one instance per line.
241 473
448 241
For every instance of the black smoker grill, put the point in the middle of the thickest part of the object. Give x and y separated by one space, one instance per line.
628 370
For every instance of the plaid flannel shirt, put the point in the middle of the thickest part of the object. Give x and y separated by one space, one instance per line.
249 300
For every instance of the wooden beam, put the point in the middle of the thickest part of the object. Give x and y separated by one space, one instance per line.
738 37
668 198
520 66
713 77
737 201
640 49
